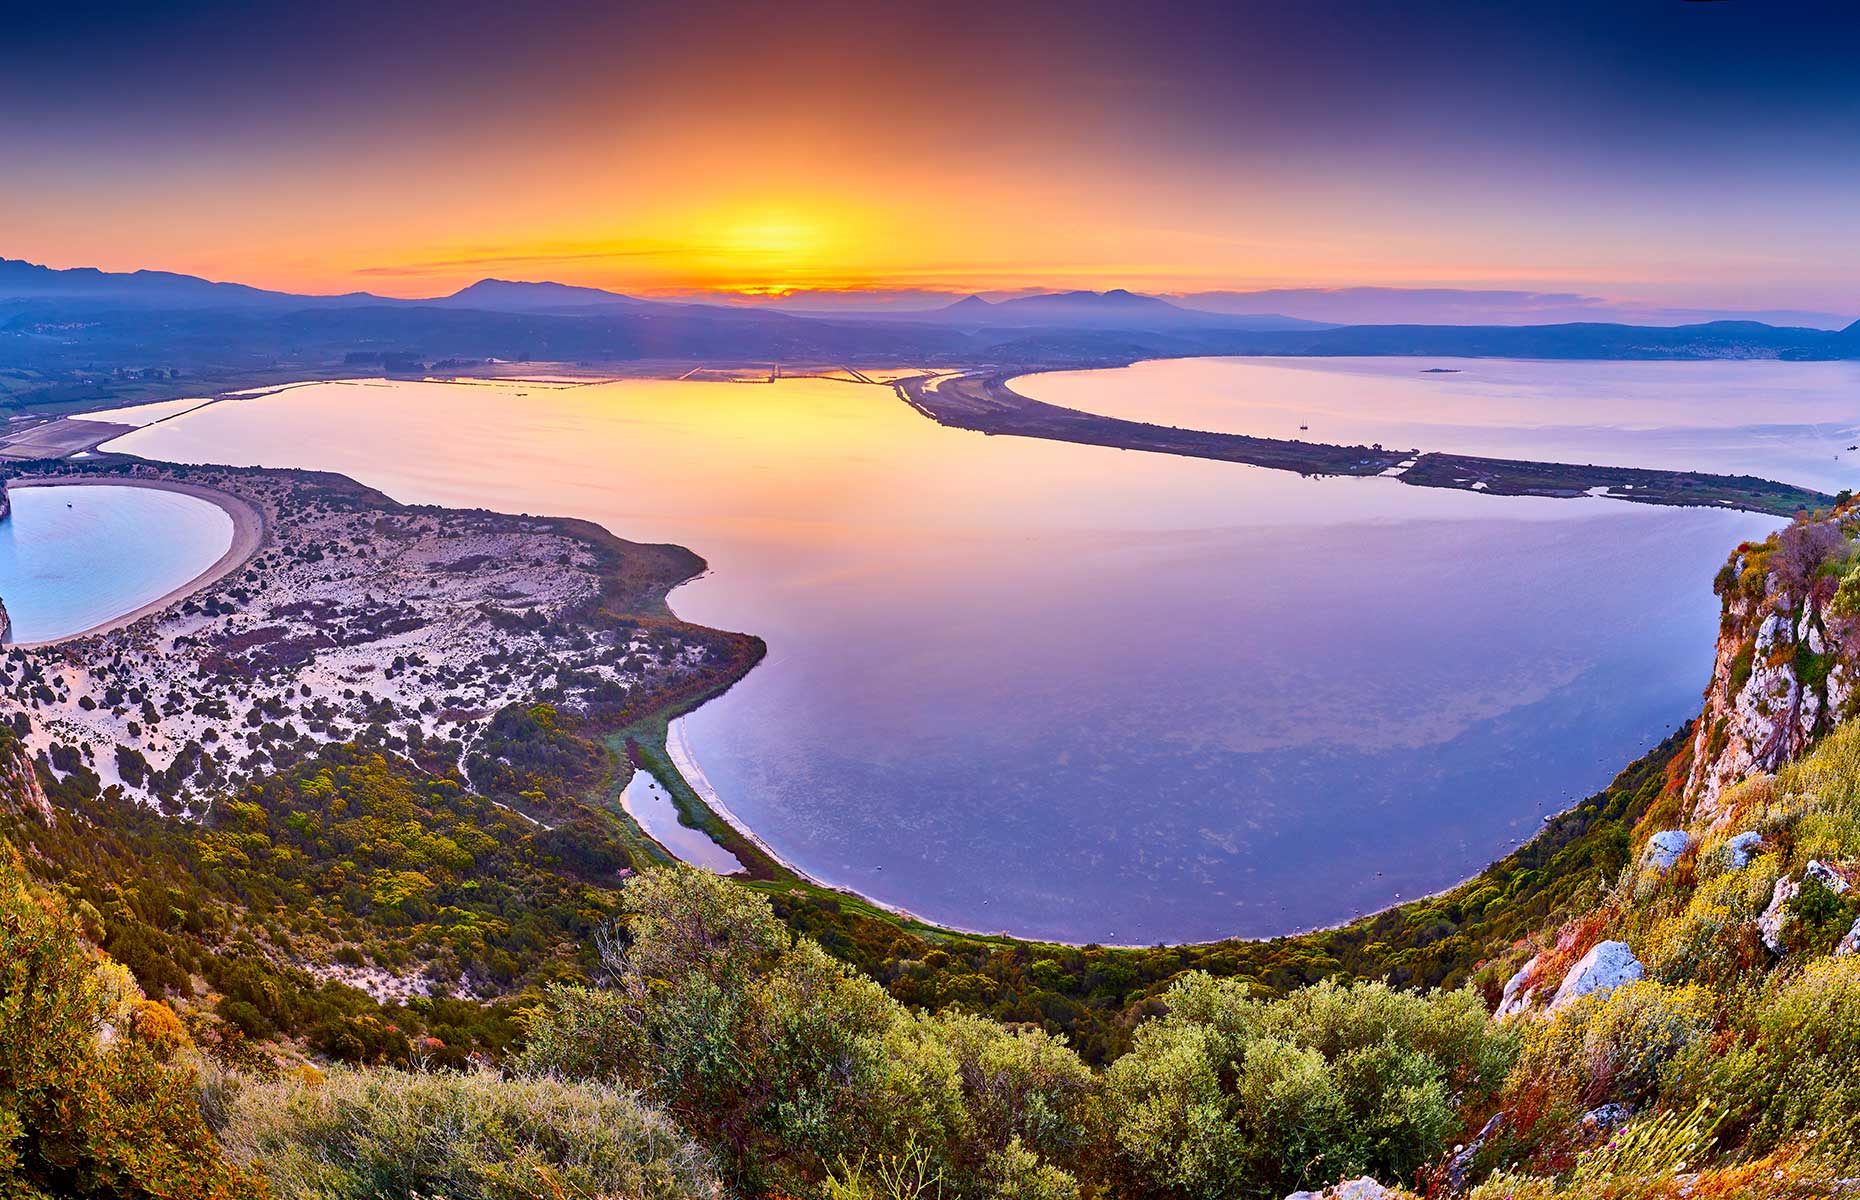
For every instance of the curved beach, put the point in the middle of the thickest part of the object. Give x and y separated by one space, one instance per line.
248 535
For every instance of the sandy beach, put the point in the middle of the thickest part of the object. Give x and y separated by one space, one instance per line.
248 536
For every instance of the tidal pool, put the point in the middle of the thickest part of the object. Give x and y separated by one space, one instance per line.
1075 692
646 799
78 556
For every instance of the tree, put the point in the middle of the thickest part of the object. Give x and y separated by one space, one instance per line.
94 1100
792 1068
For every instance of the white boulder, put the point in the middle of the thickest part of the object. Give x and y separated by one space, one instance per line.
1769 925
1741 849
1665 848
1517 997
1351 1189
1827 876
1604 968
1360 1189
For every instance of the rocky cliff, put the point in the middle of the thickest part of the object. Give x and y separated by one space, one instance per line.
19 783
1788 658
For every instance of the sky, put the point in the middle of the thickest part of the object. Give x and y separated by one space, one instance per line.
1659 152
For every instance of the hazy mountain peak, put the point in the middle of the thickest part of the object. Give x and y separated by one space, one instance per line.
515 294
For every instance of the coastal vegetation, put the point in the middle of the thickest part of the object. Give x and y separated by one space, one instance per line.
370 934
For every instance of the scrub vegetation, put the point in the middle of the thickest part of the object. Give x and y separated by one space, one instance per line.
226 1006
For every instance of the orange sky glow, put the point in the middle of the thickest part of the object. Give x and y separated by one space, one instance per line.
718 146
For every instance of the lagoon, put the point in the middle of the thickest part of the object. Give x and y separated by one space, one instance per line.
76 557
1073 692
1794 422
647 802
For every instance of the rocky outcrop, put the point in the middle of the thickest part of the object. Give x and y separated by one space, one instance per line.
1521 988
1607 966
1787 661
1770 924
1352 1189
19 784
1739 850
1665 848
6 502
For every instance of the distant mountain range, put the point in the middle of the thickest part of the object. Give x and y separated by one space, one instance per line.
29 281
65 333
1115 309
1462 306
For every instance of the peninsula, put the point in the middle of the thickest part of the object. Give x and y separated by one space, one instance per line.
984 402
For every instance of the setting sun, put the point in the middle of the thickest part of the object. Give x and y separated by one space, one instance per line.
977 600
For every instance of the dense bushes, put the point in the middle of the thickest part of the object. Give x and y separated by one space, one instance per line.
722 1051
81 1114
791 1067
1790 1068
358 858
1229 1095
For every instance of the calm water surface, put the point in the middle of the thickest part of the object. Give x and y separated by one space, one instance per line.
75 557
657 813
1075 692
1797 422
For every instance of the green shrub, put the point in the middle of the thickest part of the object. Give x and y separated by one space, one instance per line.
1612 1047
80 1118
790 1066
767 1050
1791 1070
1232 1096
385 1134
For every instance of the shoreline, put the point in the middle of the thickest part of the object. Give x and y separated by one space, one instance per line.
683 759
249 532
984 401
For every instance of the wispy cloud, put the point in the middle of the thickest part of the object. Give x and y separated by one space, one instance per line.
494 260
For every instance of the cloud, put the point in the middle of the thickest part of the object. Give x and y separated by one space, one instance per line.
545 259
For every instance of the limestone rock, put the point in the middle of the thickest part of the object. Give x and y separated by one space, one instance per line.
1759 714
1741 849
1606 1119
1665 848
1463 1157
1360 1189
1517 996
1770 924
1775 628
1603 969
1353 1189
1827 876
1850 942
